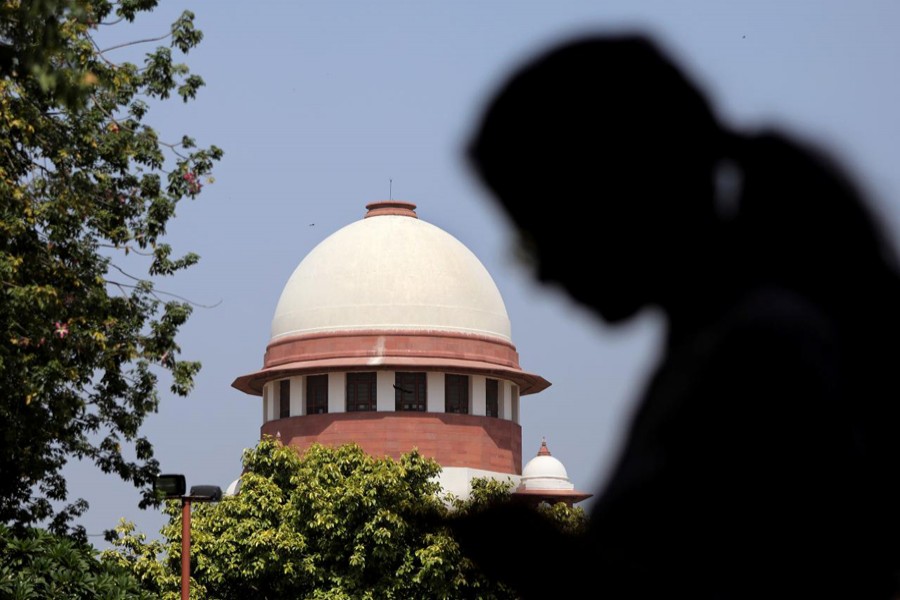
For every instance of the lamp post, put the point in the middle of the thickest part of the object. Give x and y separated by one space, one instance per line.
173 487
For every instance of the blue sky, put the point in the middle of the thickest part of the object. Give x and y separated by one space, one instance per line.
322 107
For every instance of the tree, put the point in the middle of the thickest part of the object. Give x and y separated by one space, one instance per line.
87 190
332 523
36 565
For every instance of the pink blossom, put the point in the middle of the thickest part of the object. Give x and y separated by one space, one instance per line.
192 183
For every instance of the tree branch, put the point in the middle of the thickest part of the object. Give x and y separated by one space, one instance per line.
134 43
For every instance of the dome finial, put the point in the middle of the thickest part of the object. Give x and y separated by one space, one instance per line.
544 451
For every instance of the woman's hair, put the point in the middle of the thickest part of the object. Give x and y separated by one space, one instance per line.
802 220
600 111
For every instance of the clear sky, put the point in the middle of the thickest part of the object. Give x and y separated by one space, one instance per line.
322 107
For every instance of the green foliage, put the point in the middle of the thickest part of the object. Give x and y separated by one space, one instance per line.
487 493
333 523
571 520
36 565
87 189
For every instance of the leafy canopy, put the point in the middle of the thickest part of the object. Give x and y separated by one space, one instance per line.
88 188
332 523
36 565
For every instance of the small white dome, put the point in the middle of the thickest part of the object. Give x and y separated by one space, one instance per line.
234 487
391 271
544 472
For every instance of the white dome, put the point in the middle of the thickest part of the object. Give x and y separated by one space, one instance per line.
234 487
391 271
544 472
545 467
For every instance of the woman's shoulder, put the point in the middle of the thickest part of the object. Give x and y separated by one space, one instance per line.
769 331
779 308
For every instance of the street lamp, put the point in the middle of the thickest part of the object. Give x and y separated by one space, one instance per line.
173 487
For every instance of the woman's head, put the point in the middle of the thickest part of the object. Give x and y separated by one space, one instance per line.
601 149
803 223
604 155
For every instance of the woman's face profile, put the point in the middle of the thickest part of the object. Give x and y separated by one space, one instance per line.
601 243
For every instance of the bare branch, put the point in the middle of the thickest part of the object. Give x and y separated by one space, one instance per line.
126 247
123 272
155 293
135 43
100 52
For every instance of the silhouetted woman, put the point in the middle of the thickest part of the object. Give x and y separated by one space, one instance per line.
762 458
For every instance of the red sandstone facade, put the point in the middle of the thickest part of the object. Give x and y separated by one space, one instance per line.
398 350
452 440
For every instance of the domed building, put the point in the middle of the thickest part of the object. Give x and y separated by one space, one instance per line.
391 334
545 479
